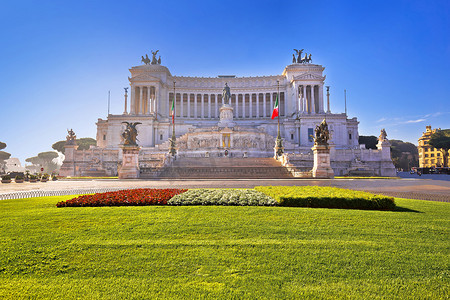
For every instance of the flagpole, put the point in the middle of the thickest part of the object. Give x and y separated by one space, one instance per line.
278 97
172 150
278 142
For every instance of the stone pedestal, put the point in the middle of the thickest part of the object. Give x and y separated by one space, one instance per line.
68 166
130 162
278 150
386 165
322 167
226 116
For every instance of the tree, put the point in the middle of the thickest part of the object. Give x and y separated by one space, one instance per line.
441 140
44 160
369 140
83 144
404 154
3 156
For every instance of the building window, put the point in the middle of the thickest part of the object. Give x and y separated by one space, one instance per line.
310 134
426 155
349 136
104 137
438 154
160 137
432 155
292 136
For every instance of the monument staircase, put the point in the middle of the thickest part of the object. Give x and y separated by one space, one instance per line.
224 168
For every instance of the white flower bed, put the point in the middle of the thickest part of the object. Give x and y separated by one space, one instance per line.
240 197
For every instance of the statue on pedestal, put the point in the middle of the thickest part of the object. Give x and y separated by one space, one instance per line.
130 134
71 137
322 134
382 136
226 94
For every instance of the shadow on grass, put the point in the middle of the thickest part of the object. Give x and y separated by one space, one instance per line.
404 209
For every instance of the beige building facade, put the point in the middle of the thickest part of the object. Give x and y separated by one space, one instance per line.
429 157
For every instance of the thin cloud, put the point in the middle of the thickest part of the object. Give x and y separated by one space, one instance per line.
414 121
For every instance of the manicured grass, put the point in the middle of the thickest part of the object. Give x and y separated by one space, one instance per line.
222 252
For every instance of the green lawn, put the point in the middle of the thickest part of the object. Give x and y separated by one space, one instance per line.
222 252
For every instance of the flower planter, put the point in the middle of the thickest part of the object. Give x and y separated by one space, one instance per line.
33 180
18 180
44 180
6 180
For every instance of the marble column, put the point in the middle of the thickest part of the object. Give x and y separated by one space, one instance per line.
313 100
202 101
209 105
156 100
321 98
237 106
149 101
132 100
141 103
250 105
300 98
216 106
304 108
243 106
271 103
181 106
195 105
264 105
188 105
257 105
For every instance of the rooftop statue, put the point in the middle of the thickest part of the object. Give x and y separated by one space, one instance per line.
383 135
71 137
130 134
145 60
322 134
299 54
154 60
226 94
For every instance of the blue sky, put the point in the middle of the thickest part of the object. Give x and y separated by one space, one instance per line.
59 59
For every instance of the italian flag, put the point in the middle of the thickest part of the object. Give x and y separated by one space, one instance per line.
275 109
172 110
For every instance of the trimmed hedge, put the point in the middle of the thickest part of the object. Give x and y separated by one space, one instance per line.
240 197
326 197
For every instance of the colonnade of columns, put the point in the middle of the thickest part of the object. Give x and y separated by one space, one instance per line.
143 100
310 99
206 106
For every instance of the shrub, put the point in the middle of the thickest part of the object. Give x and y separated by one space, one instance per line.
19 177
124 198
326 197
6 177
241 197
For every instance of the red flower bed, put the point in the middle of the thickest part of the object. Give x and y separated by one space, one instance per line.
123 198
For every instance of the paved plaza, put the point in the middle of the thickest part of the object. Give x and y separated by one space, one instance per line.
436 189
